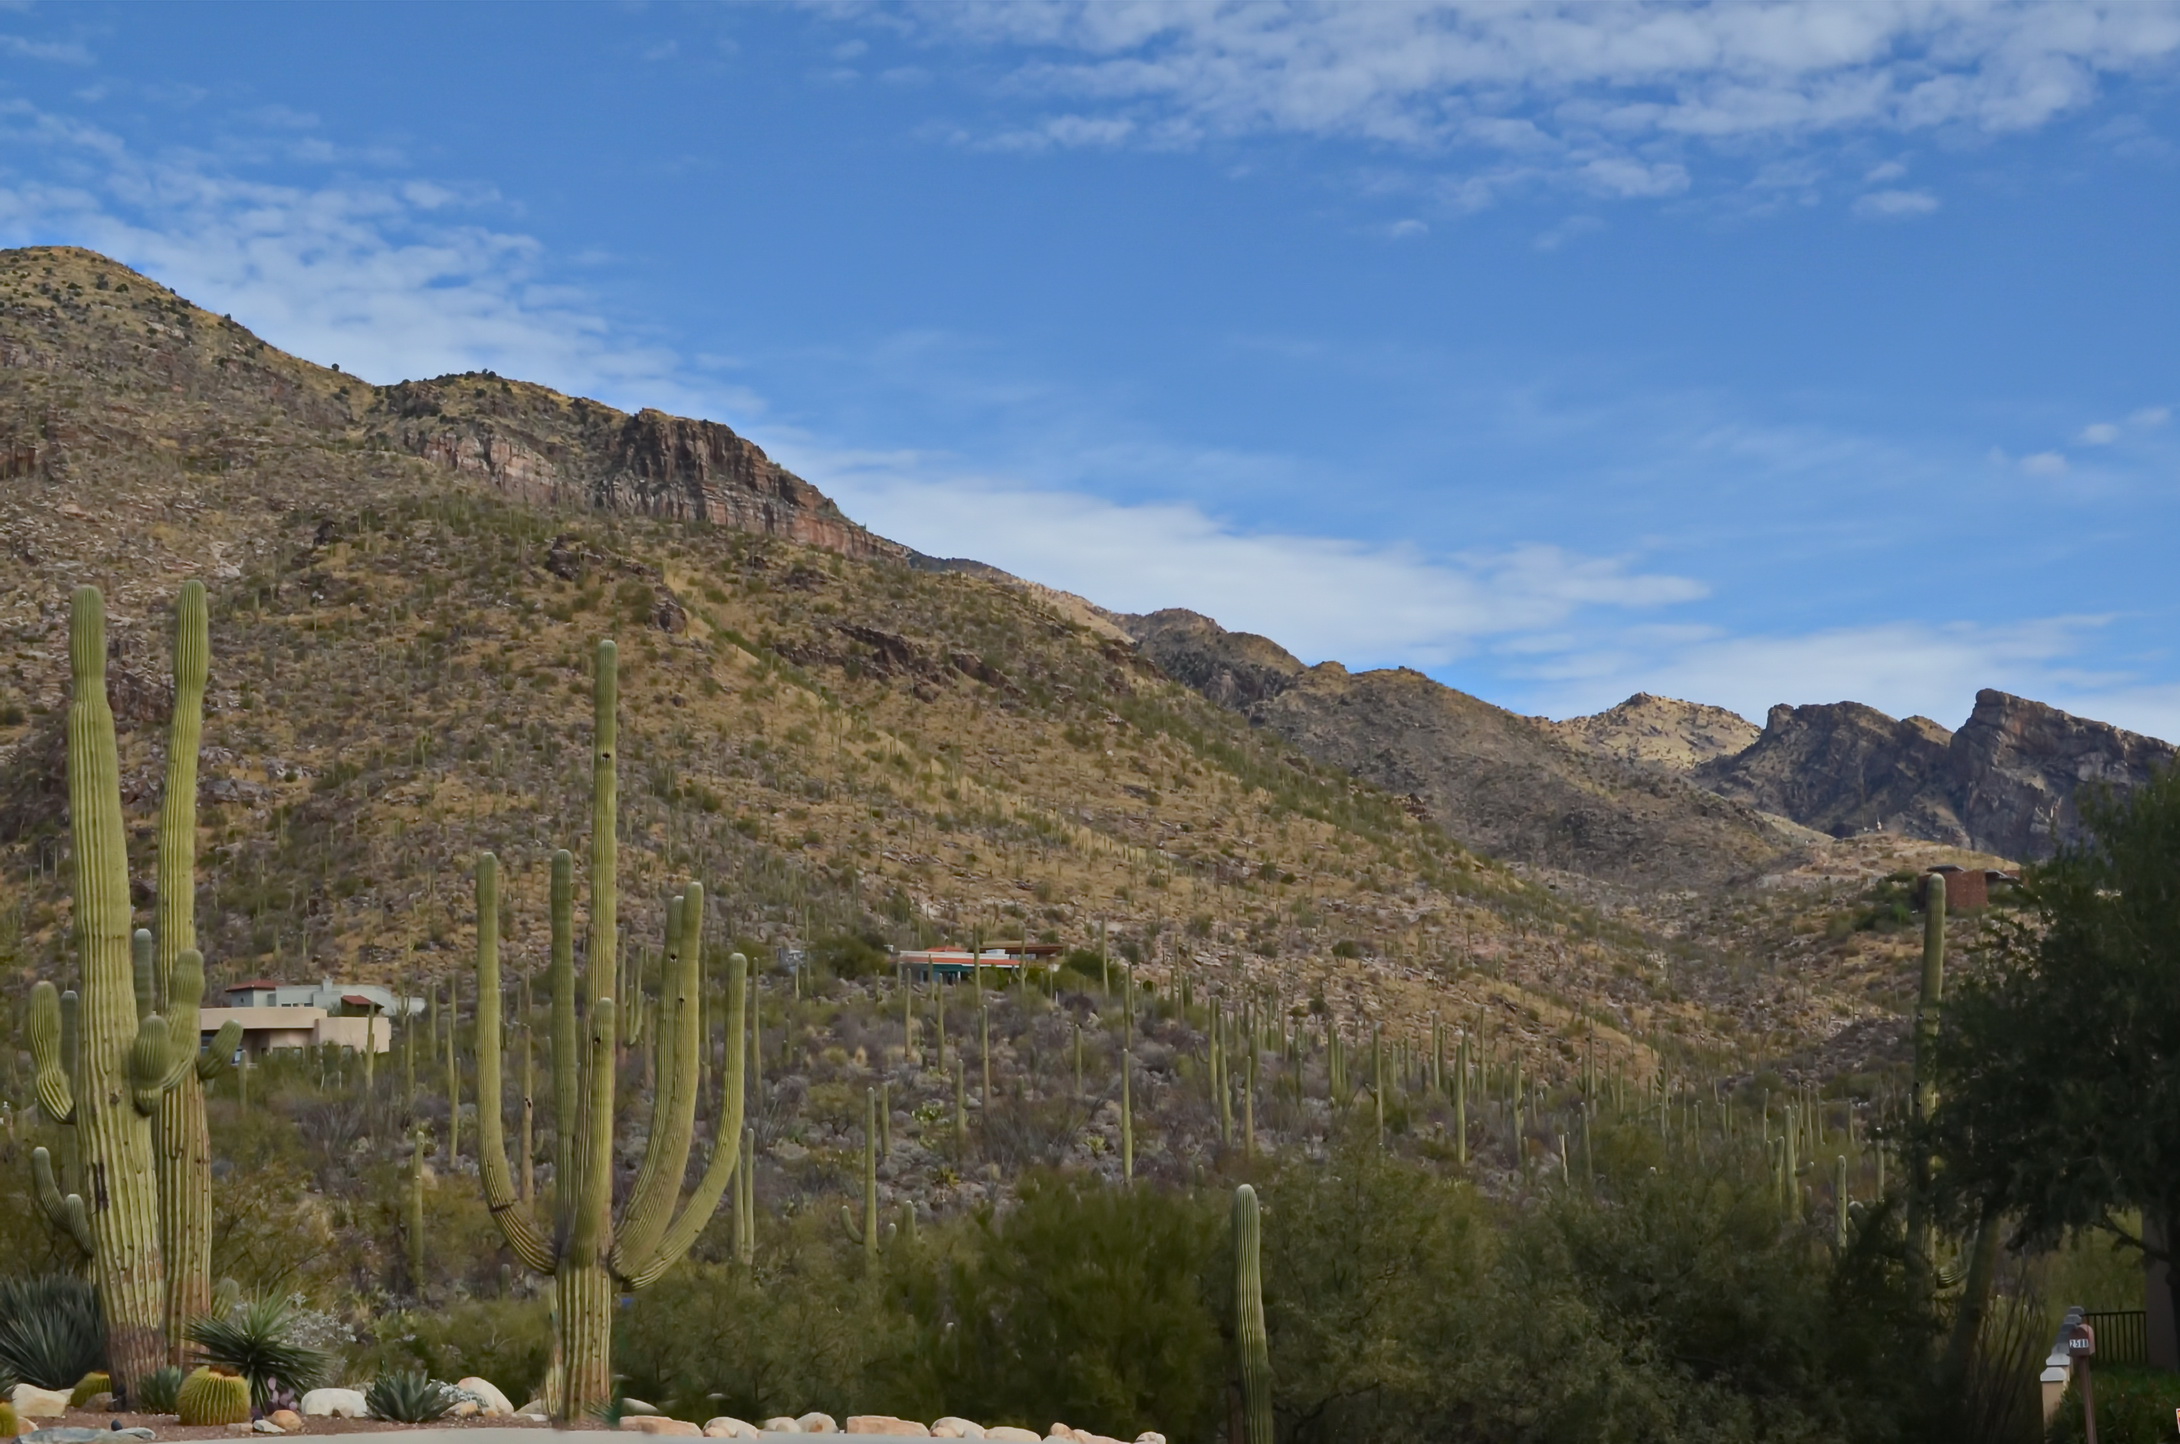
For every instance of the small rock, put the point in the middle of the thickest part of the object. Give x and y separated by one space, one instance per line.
335 1404
1150 1436
535 1416
637 1406
535 1406
1008 1434
266 1426
659 1424
287 1419
465 1409
955 1427
816 1423
488 1395
726 1426
781 1424
885 1424
32 1402
100 1403
73 1434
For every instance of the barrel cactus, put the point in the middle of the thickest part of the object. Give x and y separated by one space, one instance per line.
213 1395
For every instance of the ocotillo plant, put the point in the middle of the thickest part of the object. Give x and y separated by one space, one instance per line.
125 1057
587 1250
1250 1342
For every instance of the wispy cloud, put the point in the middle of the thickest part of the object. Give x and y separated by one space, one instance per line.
391 278
1894 205
1603 96
1322 597
1902 668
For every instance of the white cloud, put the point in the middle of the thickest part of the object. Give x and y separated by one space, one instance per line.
2151 416
1893 204
2044 463
1589 90
390 279
1901 668
1407 229
1567 230
1365 604
60 52
1891 170
2100 433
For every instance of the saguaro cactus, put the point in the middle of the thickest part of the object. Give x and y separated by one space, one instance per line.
183 1143
866 1234
586 1249
1250 1341
126 1059
1921 1242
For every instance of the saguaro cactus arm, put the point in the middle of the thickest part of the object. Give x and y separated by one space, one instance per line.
55 1096
673 1122
682 1234
521 1231
65 1213
185 995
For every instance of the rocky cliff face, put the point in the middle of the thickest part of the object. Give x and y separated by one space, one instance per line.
1500 781
1661 732
2009 782
1843 768
2018 771
544 447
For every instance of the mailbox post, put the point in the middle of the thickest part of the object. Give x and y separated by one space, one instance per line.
2081 1346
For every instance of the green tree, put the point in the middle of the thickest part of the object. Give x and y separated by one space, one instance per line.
2060 1055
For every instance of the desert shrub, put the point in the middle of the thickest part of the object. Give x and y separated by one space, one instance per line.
159 1391
852 955
51 1330
259 1341
2134 1406
808 1331
508 1341
1084 1302
408 1397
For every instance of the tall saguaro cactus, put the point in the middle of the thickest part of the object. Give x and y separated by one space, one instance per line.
184 1145
126 1059
1250 1340
1921 1240
586 1249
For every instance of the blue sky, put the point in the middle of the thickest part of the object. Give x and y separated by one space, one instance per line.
1774 352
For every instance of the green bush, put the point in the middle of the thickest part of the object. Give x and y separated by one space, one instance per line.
51 1330
508 1341
1085 1303
2134 1406
259 1341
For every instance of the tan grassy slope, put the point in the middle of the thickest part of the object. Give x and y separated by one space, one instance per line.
837 739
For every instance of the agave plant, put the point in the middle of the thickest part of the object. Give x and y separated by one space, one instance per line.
51 1330
408 1398
158 1390
258 1341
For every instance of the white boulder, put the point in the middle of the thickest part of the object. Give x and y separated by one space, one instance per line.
32 1402
335 1404
816 1423
488 1396
955 1427
726 1426
1008 1434
781 1424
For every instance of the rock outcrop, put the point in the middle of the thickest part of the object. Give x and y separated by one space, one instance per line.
546 448
2011 781
1661 732
1507 784
1843 768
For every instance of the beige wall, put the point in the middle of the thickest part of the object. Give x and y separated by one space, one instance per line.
267 1029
